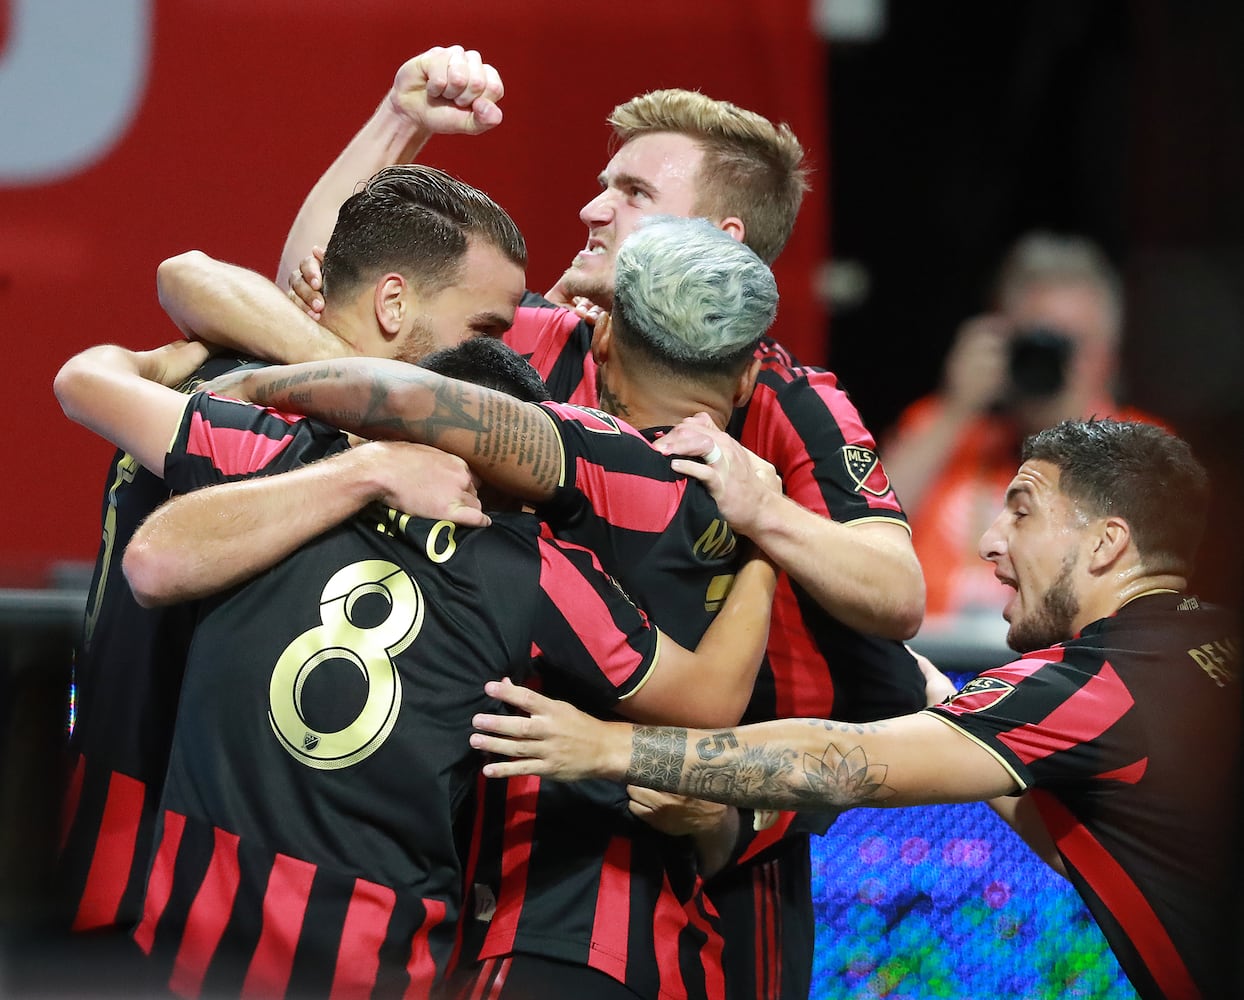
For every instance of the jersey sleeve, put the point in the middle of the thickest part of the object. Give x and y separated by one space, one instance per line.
220 439
1047 720
542 331
612 478
803 422
588 634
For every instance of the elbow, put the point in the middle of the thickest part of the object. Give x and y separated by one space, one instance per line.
910 615
72 385
146 571
907 603
63 387
173 277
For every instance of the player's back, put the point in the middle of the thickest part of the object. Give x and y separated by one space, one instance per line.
321 756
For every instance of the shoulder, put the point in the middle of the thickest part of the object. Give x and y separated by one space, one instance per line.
589 418
539 323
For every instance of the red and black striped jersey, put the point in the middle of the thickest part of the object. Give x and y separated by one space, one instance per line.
127 675
320 760
659 533
803 422
1128 736
564 871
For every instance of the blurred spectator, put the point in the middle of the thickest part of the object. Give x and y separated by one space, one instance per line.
1048 351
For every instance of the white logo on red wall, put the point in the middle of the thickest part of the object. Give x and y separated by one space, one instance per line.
72 74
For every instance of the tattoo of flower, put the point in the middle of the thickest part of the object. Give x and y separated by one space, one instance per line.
845 779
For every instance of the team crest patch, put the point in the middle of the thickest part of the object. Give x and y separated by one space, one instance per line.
864 468
980 693
605 423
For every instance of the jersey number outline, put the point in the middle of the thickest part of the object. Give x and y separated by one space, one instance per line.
371 650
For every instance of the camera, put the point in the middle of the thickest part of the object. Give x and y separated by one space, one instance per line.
1038 361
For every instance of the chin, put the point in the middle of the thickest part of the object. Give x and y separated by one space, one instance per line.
596 287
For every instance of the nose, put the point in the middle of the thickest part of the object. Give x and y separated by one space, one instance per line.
598 211
992 544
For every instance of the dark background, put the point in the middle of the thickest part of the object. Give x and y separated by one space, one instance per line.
969 123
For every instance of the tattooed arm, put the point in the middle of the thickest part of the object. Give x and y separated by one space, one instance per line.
787 764
513 445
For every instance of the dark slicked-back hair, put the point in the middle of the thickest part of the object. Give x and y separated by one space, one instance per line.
414 220
1142 473
488 362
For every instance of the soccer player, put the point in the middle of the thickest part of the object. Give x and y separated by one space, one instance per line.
685 287
1117 732
308 840
453 268
852 587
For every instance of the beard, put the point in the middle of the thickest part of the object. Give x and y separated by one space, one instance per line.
595 287
416 345
1051 622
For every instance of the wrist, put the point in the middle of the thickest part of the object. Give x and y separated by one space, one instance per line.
403 134
619 737
362 474
764 518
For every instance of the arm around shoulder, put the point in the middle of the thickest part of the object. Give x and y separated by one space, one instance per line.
121 395
233 307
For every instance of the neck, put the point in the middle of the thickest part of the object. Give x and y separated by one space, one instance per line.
1125 589
659 402
361 338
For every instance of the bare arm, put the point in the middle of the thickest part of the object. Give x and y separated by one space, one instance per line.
1021 815
214 538
126 397
787 764
513 445
443 90
864 573
232 307
721 670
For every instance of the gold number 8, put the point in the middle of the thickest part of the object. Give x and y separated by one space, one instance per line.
370 649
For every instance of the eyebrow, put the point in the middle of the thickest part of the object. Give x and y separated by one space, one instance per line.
490 319
624 180
1015 492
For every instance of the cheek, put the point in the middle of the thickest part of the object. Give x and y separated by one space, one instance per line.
624 222
450 335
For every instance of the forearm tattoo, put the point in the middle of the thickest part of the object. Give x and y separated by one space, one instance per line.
372 404
725 768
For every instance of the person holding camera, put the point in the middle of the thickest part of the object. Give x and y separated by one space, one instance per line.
1048 352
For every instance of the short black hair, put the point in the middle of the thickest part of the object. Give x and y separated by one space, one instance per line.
488 362
1139 471
416 221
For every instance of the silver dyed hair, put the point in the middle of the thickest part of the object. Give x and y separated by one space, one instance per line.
693 295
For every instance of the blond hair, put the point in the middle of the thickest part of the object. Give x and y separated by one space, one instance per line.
752 168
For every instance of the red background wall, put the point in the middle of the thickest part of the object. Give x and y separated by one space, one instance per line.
242 106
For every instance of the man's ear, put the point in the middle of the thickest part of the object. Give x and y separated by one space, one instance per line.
1110 542
746 384
602 339
390 302
733 225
